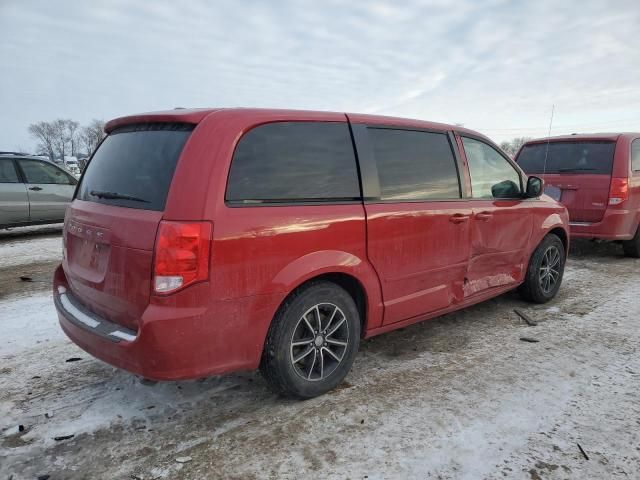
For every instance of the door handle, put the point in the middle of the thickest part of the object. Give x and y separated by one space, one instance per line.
35 189
458 218
484 216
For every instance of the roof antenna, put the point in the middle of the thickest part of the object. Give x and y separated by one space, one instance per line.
546 153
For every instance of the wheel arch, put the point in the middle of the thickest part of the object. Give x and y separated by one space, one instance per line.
350 284
551 224
344 269
563 235
556 223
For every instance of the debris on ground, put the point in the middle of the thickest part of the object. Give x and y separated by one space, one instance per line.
584 454
73 359
183 459
63 437
526 318
529 339
26 278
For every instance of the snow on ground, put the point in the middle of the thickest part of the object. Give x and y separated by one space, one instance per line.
28 323
456 397
18 252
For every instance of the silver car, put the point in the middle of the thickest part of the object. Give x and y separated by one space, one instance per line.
32 191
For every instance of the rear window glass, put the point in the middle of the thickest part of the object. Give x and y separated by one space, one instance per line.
294 161
414 165
567 157
134 166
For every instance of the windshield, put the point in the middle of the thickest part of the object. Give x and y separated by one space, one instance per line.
567 157
134 166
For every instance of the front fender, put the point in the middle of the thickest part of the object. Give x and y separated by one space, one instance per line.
553 221
324 262
548 223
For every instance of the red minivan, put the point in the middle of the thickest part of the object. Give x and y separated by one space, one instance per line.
201 242
598 180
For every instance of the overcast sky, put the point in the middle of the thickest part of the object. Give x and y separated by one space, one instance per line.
494 66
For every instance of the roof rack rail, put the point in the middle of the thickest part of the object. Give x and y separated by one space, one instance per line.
14 153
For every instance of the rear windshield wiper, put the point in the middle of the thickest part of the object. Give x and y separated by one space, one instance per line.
577 169
116 196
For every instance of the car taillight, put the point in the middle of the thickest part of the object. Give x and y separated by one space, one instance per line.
619 191
181 255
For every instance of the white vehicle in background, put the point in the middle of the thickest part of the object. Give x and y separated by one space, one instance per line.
72 166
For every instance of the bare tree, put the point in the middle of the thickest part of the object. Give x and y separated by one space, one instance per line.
92 135
62 137
71 135
514 145
44 133
59 138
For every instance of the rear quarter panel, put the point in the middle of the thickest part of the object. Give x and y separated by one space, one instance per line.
262 253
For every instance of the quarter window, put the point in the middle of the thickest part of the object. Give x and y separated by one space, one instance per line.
8 172
41 172
492 176
635 155
414 165
294 162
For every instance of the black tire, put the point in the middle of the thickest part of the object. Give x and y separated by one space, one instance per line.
535 287
304 379
632 247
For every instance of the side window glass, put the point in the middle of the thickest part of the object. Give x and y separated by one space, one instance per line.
8 172
414 165
492 176
635 155
41 172
294 161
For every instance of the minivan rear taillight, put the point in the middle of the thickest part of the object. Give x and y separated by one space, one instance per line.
181 255
619 191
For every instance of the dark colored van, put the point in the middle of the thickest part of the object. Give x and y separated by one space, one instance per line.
202 242
598 177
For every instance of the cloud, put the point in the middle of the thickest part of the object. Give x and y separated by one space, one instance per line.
495 66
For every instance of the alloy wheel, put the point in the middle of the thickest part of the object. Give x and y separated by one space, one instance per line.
550 269
319 341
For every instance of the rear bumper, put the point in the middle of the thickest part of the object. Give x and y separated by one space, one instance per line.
171 343
74 312
615 225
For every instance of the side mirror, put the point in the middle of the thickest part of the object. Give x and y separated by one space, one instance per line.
535 187
506 189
